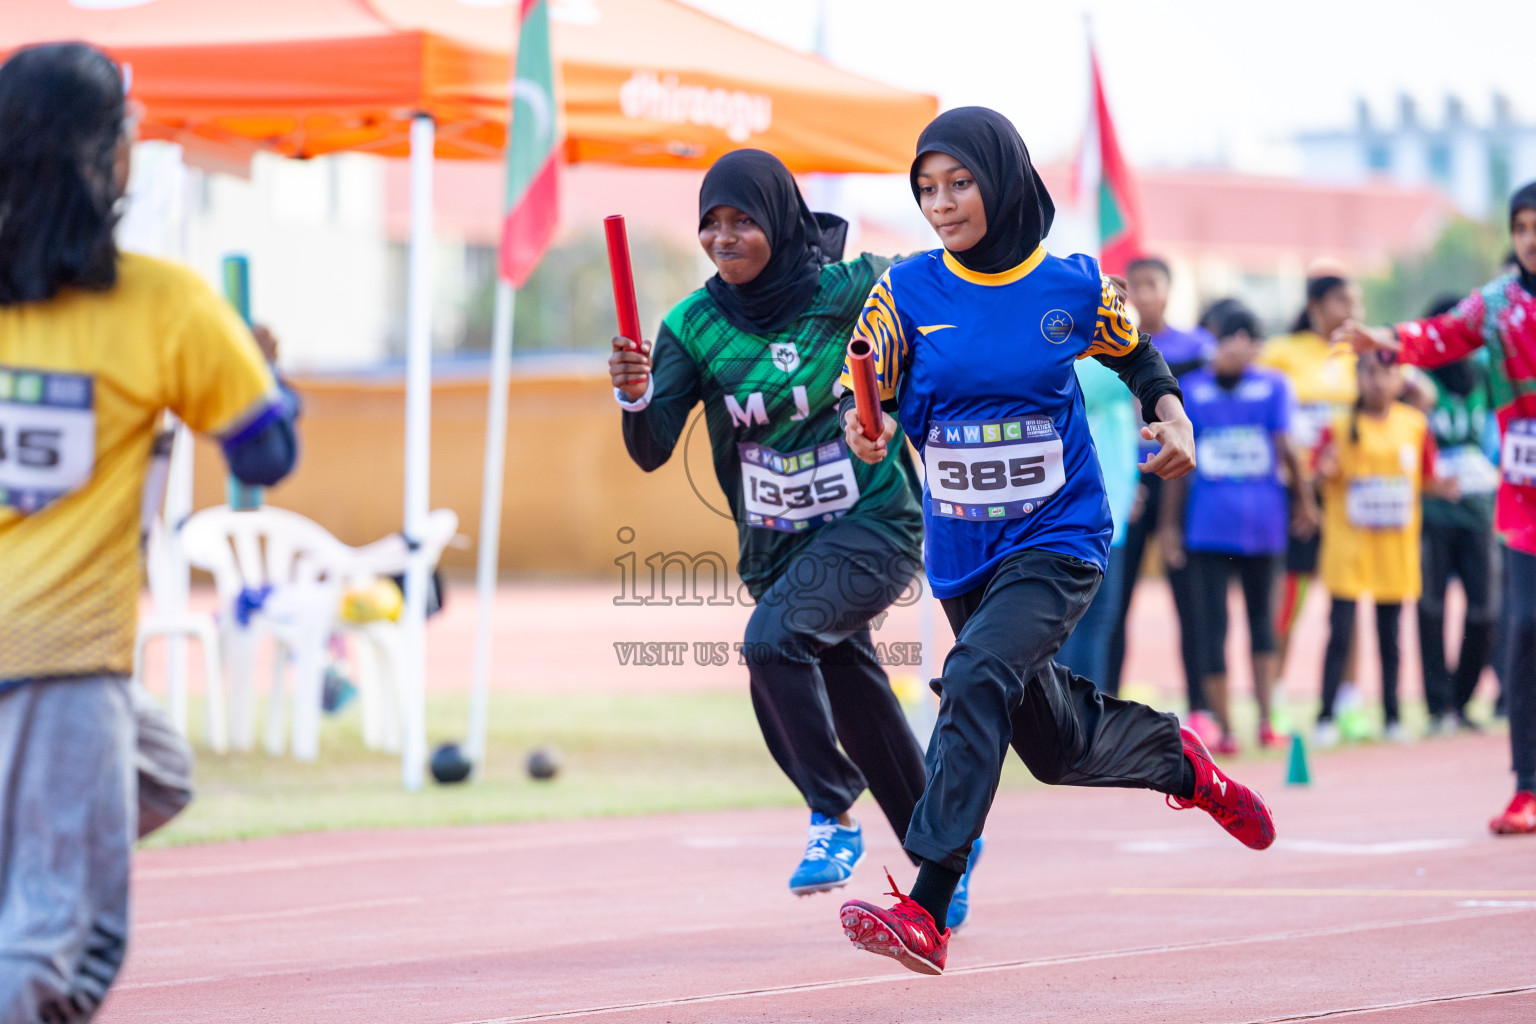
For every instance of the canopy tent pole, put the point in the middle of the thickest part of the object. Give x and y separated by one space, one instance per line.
418 454
490 517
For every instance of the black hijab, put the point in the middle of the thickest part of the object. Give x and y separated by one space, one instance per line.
760 186
1019 209
1524 199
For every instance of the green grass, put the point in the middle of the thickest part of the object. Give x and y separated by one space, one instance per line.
631 754
622 755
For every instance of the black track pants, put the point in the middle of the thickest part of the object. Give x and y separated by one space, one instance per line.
1341 628
1000 687
1212 571
815 680
1454 550
1520 654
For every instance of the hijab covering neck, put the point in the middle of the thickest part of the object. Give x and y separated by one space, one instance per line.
1524 199
1019 209
800 242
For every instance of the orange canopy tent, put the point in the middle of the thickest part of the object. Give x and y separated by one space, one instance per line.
645 82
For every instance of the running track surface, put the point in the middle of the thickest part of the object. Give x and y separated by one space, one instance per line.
1384 901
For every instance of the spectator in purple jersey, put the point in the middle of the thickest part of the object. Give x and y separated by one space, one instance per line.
1147 283
1230 517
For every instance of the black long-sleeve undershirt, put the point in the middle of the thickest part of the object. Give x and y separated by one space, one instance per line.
651 434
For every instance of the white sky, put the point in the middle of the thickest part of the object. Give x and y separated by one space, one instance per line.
1189 81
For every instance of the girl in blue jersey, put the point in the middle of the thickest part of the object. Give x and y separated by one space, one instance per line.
975 345
1231 516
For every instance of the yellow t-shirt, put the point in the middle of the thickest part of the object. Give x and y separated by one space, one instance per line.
1371 510
1322 379
83 379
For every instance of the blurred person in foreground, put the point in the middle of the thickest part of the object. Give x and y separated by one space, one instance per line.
1231 515
1458 535
94 345
1148 280
1373 464
1501 317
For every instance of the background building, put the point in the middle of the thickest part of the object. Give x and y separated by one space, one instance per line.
1475 164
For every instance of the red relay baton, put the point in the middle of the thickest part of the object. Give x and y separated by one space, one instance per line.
623 275
866 395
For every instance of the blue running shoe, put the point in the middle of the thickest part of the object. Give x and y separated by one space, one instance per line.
960 905
831 854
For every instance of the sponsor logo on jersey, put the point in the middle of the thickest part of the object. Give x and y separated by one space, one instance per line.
1029 507
1038 428
785 356
933 433
946 508
1056 326
996 512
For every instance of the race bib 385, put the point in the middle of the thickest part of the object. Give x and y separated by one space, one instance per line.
47 436
1000 470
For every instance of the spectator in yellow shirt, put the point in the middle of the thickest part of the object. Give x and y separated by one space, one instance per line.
1322 379
1372 465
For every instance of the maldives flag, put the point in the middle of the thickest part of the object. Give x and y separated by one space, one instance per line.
533 150
1105 180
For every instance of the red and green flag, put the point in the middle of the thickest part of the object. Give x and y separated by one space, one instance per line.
1105 180
533 150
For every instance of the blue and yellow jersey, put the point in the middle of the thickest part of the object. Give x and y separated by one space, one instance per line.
982 369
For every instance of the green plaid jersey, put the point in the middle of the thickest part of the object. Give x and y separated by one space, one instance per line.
770 390
1460 422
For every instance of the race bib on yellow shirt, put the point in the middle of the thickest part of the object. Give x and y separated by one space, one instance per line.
47 436
1235 453
1379 502
797 491
1001 470
1518 455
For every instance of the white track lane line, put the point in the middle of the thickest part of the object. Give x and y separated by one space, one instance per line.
1404 1005
1011 965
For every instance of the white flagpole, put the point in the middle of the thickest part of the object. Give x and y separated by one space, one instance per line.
418 451
490 519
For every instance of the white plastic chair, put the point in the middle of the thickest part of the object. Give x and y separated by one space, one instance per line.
378 645
169 619
305 568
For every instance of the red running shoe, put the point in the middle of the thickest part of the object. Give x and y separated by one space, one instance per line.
1519 818
906 933
1235 807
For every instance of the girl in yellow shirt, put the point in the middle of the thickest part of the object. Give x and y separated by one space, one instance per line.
1372 465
